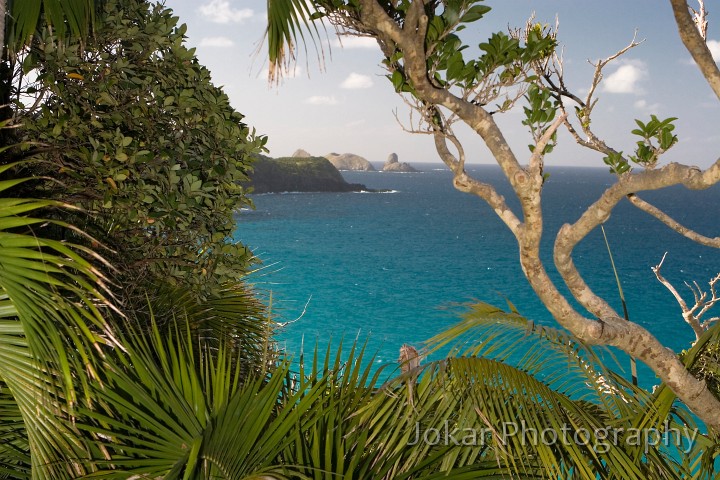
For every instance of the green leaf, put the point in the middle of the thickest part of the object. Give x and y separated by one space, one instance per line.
397 79
474 13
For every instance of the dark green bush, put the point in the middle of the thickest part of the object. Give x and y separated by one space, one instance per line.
133 131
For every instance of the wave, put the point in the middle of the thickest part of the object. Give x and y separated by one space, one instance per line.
279 193
378 191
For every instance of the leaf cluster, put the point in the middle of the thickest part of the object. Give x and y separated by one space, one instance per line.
656 138
539 114
502 64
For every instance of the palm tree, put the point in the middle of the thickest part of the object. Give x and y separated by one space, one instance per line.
180 412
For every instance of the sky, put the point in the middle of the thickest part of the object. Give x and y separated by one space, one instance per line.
346 105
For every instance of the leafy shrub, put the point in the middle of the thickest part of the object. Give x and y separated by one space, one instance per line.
134 132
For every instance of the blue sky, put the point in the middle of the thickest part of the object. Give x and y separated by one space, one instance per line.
350 107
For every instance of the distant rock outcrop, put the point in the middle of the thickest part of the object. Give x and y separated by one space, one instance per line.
350 161
298 174
300 153
393 165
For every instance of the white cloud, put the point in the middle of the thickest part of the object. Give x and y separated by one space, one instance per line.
220 11
714 46
321 100
356 81
355 42
644 106
626 79
221 42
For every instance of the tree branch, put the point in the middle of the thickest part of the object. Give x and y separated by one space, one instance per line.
609 328
673 224
687 313
413 47
570 235
535 162
695 44
464 183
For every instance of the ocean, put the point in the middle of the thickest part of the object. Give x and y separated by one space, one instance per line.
393 267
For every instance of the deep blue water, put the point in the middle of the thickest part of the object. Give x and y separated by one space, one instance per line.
385 266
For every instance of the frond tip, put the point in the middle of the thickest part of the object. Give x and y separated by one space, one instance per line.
287 23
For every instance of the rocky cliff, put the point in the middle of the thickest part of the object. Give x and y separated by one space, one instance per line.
298 174
349 161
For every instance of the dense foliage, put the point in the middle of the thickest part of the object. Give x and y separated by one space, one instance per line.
132 130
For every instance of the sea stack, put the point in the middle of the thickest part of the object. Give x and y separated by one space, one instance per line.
393 165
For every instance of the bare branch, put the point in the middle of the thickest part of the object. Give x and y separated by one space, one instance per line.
673 224
598 75
710 303
687 313
700 19
584 107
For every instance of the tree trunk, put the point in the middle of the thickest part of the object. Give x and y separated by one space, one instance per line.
3 12
5 74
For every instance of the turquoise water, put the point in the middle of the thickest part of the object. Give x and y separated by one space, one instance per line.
386 266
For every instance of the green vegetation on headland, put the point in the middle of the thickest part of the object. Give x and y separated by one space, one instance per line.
298 174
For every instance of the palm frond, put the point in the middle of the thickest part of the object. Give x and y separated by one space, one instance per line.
288 21
334 446
161 408
554 356
14 447
66 17
504 418
50 297
235 316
